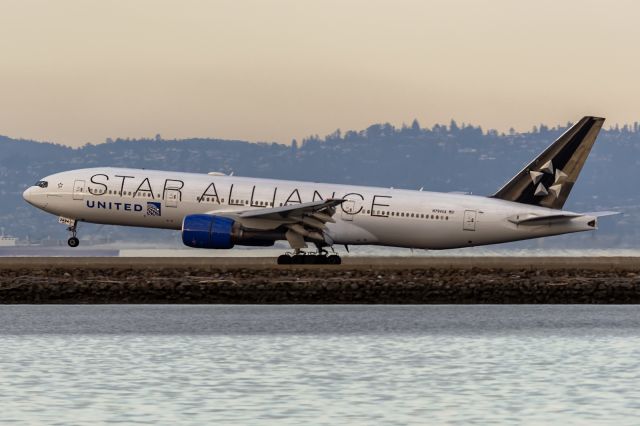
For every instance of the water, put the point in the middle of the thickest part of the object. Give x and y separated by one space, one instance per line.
319 364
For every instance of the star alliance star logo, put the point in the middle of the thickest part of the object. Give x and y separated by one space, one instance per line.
547 169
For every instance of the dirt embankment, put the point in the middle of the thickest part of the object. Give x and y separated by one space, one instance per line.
364 280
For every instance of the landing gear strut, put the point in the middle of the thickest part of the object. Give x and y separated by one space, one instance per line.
303 258
73 241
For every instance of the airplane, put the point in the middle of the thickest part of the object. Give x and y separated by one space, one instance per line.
216 211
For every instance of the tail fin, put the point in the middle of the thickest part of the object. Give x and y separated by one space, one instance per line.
548 179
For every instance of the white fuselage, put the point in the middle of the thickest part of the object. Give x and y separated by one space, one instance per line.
370 216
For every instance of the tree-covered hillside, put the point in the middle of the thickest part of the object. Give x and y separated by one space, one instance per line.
442 158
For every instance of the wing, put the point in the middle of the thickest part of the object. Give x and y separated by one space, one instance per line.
306 220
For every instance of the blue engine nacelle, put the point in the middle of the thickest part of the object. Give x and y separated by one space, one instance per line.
217 232
207 231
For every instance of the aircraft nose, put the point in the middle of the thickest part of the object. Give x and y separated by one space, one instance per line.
28 195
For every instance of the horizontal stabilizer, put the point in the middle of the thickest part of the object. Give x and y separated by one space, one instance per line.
601 214
532 219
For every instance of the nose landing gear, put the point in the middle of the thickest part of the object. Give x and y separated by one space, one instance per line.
73 241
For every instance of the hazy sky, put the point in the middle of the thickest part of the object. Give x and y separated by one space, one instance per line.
81 71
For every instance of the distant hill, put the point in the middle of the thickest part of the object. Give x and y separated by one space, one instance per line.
442 158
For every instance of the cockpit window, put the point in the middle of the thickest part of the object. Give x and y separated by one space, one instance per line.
42 183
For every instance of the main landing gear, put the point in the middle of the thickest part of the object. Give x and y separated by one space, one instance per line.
303 258
73 241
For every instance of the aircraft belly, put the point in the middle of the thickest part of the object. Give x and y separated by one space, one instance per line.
414 233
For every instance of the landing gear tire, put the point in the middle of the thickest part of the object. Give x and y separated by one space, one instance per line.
309 259
73 242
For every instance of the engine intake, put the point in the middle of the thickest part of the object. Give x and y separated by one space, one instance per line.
217 232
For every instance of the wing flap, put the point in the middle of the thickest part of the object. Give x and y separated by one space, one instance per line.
302 221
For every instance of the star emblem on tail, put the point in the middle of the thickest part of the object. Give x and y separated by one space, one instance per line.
547 169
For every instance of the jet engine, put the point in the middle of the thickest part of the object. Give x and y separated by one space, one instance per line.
218 232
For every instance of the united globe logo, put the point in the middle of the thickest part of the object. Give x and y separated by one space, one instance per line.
153 209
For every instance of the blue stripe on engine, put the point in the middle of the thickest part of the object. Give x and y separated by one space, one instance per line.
206 231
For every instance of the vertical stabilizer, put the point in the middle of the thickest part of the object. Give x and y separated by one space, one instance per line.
548 179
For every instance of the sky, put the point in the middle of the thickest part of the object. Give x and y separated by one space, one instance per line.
80 71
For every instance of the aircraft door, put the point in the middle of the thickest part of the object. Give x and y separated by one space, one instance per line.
348 210
78 189
171 198
469 221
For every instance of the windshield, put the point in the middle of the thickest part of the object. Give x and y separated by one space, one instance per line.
42 183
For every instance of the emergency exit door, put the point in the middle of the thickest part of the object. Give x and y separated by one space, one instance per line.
348 209
78 189
171 198
469 223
